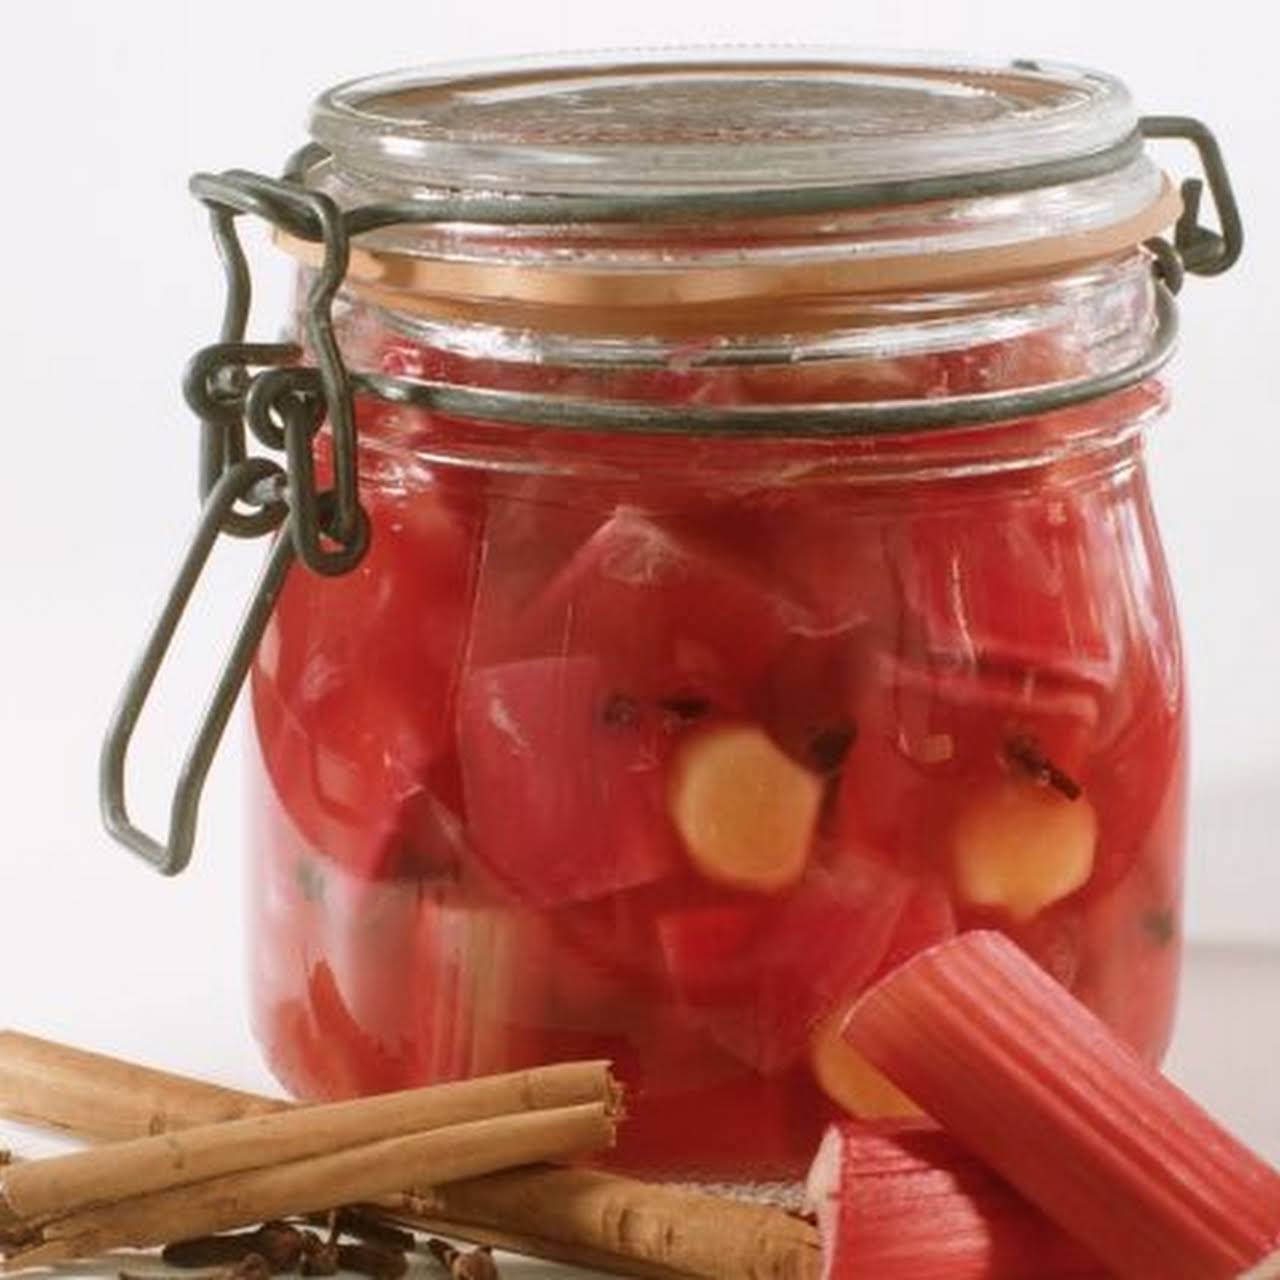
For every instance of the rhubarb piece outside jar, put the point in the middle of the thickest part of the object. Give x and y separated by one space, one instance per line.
761 583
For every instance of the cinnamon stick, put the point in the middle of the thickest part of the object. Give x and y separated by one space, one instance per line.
63 1185
692 1232
322 1182
104 1099
588 1219
533 1246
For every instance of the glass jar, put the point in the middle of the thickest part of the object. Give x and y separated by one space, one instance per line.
761 583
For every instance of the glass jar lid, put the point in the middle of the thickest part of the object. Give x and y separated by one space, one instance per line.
717 120
683 191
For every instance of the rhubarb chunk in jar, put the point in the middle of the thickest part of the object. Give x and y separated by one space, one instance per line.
762 586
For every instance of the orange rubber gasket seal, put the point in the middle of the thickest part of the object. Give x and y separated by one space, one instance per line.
734 299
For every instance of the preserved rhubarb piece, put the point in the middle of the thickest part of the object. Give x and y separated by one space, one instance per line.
759 978
665 616
807 698
1135 919
927 919
352 700
1010 591
907 1201
563 780
1036 1086
945 755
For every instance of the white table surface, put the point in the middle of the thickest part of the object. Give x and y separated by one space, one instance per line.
1226 1054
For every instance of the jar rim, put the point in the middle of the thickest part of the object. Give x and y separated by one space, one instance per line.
715 119
605 192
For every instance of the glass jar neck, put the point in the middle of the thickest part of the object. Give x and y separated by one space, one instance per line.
910 348
1097 318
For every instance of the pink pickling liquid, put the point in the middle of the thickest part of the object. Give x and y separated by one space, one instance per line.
464 855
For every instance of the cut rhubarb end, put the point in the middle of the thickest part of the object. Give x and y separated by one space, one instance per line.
850 1081
1033 1083
745 809
1021 846
822 1197
907 1201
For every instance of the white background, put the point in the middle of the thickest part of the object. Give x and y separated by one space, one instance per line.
108 283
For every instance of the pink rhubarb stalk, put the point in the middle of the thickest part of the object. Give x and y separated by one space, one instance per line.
904 1201
1030 1081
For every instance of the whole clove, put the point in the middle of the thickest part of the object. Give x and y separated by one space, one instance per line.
1025 752
367 1227
686 706
284 1249
210 1251
829 747
251 1267
620 711
319 1257
1161 926
279 1245
373 1261
470 1264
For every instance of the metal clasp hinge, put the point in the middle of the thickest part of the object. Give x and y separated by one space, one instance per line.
1201 250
